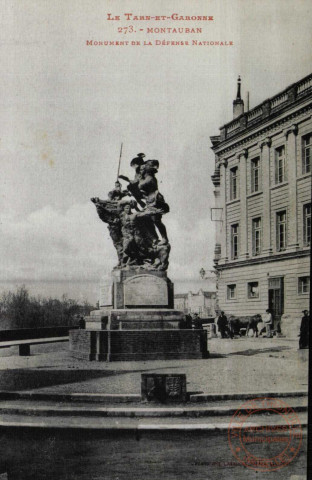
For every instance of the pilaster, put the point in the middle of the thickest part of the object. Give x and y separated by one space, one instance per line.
218 225
265 147
223 232
243 244
291 169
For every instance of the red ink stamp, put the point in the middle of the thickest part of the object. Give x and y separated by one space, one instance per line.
265 434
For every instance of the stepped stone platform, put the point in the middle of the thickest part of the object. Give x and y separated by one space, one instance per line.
134 319
140 323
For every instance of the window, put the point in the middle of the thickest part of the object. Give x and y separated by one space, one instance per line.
253 290
307 224
276 283
231 292
233 183
306 153
255 175
280 231
256 236
303 285
280 160
234 241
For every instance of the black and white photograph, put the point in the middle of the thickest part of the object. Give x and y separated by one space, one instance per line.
155 219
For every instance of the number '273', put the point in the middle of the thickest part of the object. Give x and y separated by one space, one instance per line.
129 29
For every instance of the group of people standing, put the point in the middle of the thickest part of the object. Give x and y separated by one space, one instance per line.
191 322
227 327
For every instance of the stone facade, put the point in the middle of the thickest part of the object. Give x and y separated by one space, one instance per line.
202 303
262 193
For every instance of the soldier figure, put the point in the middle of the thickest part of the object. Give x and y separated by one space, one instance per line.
117 194
133 185
128 221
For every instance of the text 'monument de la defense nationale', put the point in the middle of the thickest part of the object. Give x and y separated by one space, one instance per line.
262 184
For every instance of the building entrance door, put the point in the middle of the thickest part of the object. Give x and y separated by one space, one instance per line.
276 299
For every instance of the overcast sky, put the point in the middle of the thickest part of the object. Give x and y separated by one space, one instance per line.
66 107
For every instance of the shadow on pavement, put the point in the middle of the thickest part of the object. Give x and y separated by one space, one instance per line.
34 378
249 352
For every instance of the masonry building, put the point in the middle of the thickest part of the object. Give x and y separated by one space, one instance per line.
262 187
202 303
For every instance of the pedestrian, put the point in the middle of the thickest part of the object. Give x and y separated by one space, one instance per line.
304 330
222 323
188 322
197 322
182 324
230 328
268 321
81 323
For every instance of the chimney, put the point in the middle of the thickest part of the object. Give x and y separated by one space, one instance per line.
238 103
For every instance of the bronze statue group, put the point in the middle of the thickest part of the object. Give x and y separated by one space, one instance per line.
134 218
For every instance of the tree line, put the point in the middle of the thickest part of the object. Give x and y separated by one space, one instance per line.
21 310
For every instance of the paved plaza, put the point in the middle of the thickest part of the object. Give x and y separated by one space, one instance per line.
241 365
92 436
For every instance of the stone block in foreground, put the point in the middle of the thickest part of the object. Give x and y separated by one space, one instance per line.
163 387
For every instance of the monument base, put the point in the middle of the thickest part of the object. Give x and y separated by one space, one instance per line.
128 345
141 323
141 289
134 319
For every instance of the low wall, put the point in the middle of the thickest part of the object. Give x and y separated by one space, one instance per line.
26 333
127 345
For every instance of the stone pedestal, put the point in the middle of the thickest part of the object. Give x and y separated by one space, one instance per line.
140 325
141 289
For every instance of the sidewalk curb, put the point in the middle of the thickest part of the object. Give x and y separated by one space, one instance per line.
136 428
125 398
206 397
116 412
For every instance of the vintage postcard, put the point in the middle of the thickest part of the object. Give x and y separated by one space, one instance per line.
155 239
